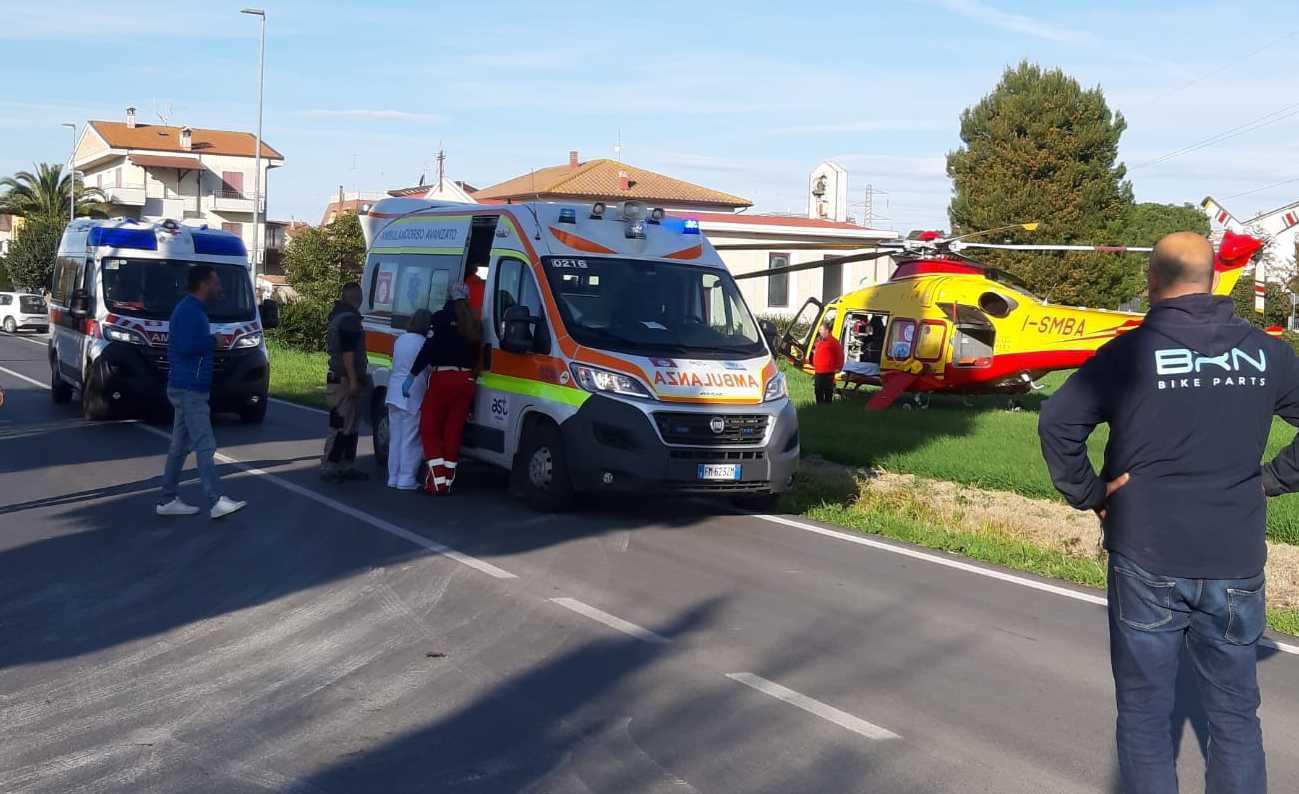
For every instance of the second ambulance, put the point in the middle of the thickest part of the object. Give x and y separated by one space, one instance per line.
618 352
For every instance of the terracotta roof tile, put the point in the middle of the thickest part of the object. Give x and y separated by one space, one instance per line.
159 138
601 180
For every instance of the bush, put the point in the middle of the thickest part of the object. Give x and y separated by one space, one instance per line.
785 324
304 325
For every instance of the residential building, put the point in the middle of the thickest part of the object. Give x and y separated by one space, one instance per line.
609 181
150 172
342 202
792 240
9 226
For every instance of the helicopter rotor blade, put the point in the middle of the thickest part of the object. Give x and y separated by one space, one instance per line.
833 260
797 246
1102 249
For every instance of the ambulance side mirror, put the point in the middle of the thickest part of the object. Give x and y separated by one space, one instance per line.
79 306
771 333
520 330
270 311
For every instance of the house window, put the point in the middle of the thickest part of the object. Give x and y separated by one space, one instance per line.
233 184
778 285
233 228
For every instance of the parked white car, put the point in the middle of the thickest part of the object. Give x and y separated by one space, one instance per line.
19 310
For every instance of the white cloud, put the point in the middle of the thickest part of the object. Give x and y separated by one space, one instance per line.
1016 23
384 115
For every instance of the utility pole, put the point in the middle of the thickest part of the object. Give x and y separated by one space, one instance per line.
442 167
258 212
72 173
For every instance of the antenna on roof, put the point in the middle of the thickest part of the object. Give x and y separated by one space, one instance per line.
164 113
617 147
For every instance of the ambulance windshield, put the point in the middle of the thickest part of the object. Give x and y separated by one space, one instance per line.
651 308
151 288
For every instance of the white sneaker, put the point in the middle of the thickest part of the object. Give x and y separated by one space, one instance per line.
175 508
225 506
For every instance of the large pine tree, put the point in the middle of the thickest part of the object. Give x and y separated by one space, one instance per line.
1041 148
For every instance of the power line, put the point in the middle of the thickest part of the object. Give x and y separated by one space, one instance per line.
1265 120
1261 189
1221 64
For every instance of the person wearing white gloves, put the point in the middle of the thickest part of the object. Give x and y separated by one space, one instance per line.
405 395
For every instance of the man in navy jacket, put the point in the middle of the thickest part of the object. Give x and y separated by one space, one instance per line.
1189 397
190 348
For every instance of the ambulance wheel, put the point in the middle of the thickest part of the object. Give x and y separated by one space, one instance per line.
254 414
380 433
541 469
60 389
93 405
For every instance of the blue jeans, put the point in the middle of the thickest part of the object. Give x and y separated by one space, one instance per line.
191 430
1219 621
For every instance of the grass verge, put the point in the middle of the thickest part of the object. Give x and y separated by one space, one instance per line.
969 523
296 376
981 444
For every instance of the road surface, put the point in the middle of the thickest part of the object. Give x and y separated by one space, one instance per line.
350 639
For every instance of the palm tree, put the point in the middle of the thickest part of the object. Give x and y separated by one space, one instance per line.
44 194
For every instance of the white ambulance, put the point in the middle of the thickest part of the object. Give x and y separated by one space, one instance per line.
114 287
618 353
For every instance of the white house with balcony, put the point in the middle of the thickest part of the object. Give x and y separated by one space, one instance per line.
150 172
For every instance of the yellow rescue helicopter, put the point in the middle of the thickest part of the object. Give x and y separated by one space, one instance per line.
945 323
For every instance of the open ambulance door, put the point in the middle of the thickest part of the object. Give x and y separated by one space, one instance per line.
796 342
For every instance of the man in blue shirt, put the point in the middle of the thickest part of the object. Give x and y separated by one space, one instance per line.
190 349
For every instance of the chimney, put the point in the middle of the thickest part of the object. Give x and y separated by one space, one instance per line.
186 138
624 181
130 118
572 160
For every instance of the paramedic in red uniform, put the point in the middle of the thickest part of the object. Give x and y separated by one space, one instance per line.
451 355
827 360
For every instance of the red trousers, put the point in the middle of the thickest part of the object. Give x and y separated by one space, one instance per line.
442 418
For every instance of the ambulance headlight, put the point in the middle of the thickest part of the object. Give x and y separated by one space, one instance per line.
114 334
777 388
248 340
602 380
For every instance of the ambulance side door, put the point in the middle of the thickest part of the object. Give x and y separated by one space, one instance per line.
502 389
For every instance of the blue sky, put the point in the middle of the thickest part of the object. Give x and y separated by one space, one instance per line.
743 97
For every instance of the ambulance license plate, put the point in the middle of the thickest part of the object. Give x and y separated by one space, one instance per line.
719 471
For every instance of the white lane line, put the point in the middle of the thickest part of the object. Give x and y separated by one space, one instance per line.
43 341
313 410
333 504
359 515
1077 595
613 622
21 376
813 706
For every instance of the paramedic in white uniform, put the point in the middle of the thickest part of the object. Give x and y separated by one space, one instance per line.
404 399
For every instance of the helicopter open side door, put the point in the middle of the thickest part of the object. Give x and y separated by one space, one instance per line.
796 342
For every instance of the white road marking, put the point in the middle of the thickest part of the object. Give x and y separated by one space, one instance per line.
312 409
333 504
612 621
1022 581
359 515
43 341
21 376
813 706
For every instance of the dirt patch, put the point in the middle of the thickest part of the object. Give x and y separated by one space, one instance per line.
1043 524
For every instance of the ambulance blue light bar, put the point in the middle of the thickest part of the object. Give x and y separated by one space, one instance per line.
691 226
218 244
568 215
116 237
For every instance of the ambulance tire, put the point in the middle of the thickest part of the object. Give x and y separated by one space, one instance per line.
541 469
94 407
60 389
254 414
379 431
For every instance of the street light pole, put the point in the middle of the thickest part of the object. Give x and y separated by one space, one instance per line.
72 173
258 212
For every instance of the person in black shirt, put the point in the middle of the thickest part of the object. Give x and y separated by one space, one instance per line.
1189 398
451 353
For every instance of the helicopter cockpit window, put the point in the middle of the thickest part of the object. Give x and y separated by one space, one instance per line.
996 305
902 336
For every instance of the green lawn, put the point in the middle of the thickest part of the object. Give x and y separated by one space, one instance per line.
296 376
984 445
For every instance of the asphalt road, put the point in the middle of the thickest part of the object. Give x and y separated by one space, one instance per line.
349 639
